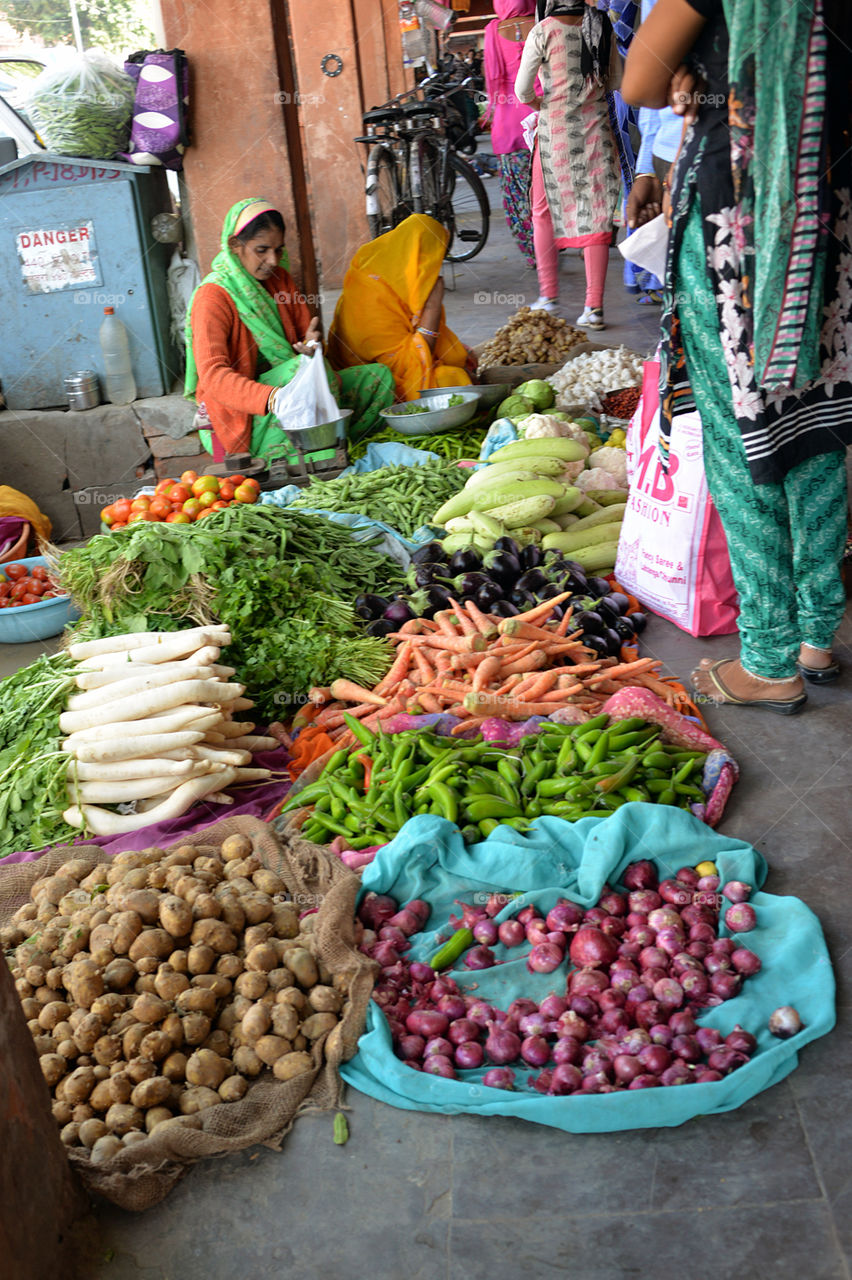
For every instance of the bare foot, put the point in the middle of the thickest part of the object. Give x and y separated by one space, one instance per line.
731 679
817 659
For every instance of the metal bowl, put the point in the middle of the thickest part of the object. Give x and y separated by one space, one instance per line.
488 394
326 435
445 418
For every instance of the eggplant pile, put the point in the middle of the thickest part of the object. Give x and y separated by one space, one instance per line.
503 582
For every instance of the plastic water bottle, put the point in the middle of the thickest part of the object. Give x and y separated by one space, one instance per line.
120 383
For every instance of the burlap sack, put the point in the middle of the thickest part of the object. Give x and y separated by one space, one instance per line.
143 1174
288 825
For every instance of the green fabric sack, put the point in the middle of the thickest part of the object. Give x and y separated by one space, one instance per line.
429 860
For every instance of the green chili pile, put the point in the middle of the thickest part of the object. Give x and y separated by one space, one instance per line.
368 793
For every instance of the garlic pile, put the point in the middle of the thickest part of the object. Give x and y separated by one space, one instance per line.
586 378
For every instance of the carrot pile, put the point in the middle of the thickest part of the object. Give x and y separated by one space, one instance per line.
471 665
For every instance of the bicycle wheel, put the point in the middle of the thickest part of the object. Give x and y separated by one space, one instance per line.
382 192
429 156
471 211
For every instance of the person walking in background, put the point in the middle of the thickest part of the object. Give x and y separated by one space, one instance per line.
758 311
660 133
576 182
504 44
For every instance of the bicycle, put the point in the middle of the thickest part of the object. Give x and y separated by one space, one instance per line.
412 167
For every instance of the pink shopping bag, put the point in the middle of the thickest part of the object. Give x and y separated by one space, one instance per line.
672 553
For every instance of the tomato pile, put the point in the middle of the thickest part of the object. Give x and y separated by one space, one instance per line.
21 585
181 501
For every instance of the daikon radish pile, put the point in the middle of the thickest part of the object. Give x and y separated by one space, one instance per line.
152 729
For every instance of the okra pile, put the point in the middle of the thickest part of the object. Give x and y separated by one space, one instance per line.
366 794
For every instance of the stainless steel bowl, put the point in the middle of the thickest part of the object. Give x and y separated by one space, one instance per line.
488 393
326 435
445 418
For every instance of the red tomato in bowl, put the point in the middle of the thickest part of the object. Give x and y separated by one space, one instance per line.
14 572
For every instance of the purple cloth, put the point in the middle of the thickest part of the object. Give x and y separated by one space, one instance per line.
11 528
258 800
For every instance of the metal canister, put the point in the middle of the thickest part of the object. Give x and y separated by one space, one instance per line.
82 389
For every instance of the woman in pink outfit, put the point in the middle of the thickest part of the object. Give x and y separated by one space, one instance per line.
504 44
576 182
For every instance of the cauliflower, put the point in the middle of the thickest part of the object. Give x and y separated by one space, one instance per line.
597 478
571 471
540 425
613 460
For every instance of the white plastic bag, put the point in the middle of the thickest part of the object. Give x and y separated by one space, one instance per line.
647 246
82 105
306 400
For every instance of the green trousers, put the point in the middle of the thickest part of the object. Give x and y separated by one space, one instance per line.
785 540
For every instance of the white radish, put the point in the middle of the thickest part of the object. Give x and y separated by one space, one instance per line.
139 705
218 797
242 704
121 792
141 767
195 637
125 688
160 746
235 728
219 756
99 678
198 719
104 822
253 775
253 742
217 779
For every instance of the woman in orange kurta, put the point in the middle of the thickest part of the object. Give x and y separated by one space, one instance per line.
391 311
247 328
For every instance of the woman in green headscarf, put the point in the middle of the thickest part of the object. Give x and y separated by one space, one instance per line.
247 327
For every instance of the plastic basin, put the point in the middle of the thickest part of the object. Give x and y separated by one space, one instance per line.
35 621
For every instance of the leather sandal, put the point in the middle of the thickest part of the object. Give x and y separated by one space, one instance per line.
784 706
819 675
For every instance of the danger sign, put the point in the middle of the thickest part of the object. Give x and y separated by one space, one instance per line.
55 258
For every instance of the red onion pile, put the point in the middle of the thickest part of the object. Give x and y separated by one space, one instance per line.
648 961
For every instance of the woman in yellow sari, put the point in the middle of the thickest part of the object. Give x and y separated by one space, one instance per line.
391 311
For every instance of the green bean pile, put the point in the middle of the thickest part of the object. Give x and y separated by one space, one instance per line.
449 445
400 496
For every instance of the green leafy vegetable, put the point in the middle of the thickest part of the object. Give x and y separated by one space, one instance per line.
281 580
33 791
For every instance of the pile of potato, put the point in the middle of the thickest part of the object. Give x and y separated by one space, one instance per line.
531 337
159 984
